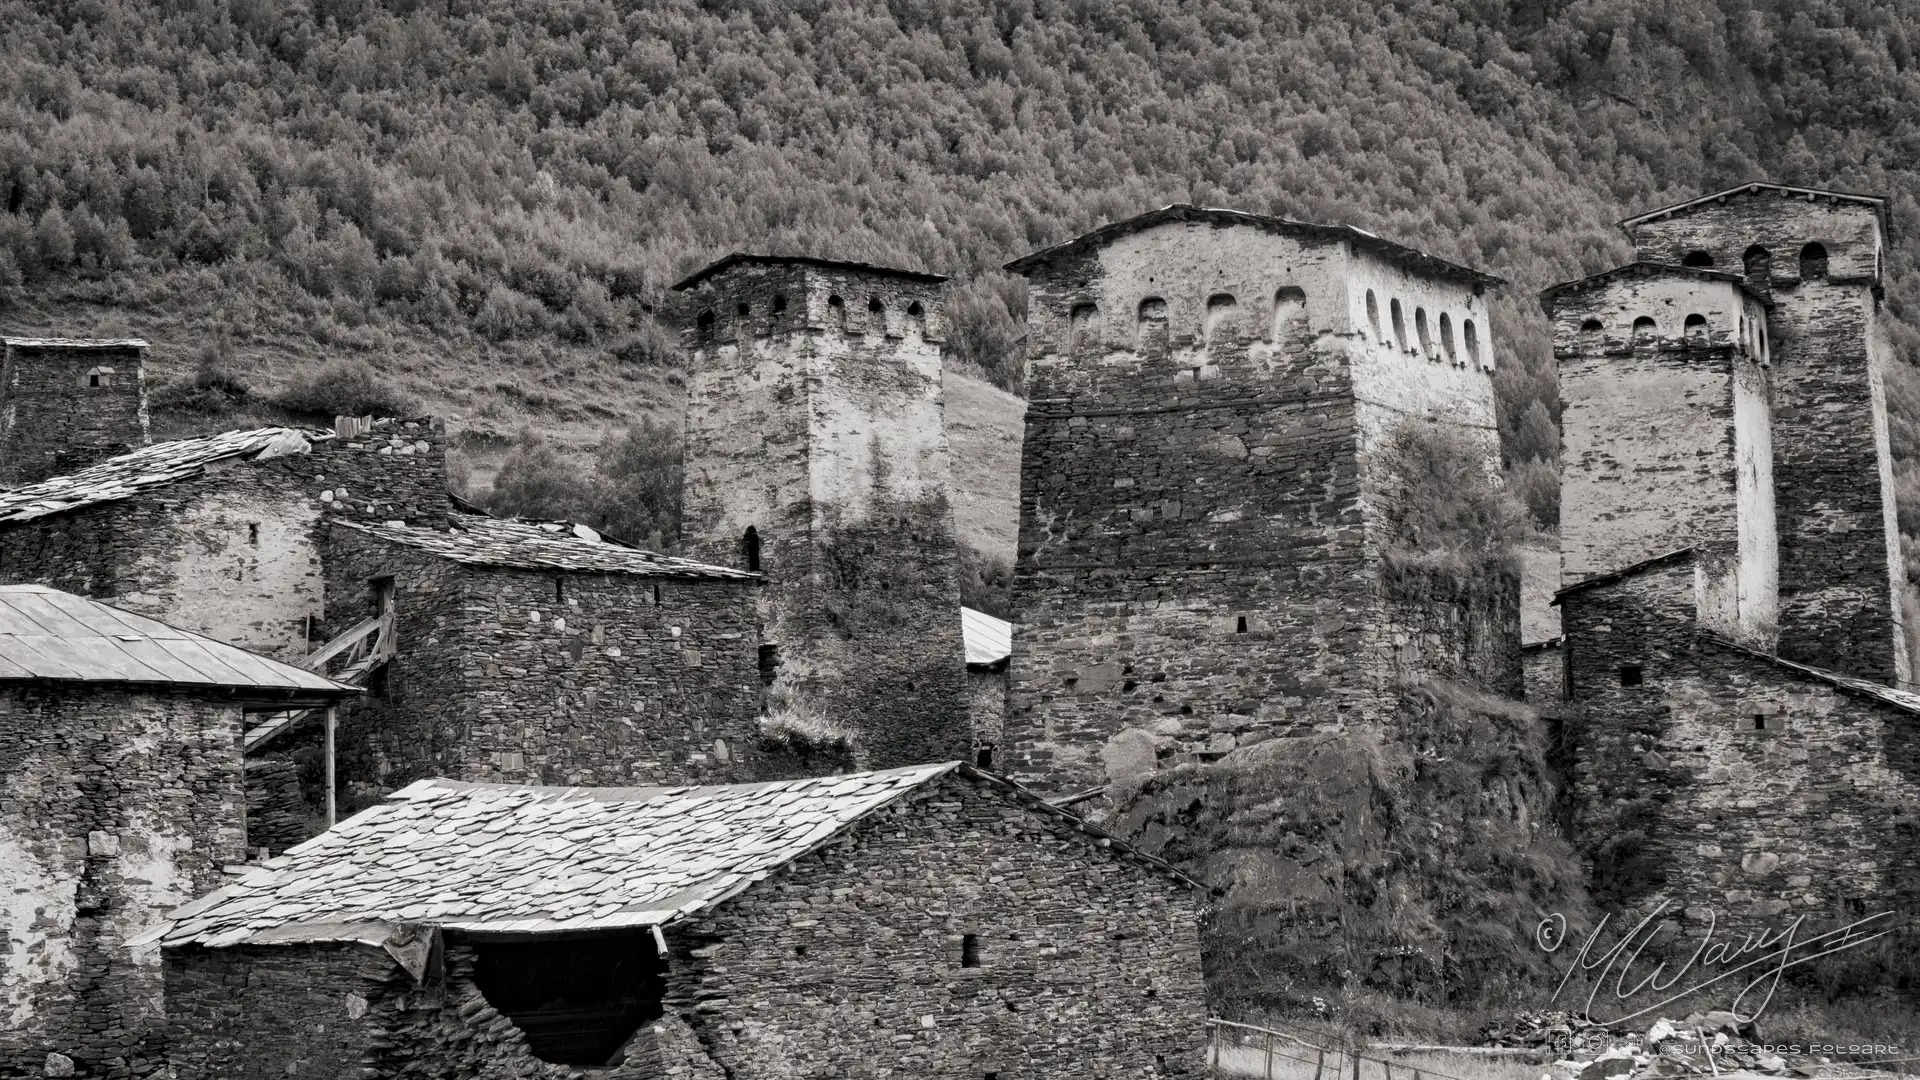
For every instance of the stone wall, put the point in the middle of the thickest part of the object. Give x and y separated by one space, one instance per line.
815 419
1832 464
519 676
1719 779
987 704
63 408
1544 664
114 807
396 471
1200 550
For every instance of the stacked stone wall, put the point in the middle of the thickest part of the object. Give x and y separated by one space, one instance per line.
394 471
62 409
259 1011
114 807
820 426
1832 464
520 676
1724 782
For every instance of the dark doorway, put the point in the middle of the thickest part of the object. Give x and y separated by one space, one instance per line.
750 548
578 1000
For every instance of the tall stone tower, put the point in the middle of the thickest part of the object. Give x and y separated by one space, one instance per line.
1666 434
1816 256
1201 501
66 403
816 454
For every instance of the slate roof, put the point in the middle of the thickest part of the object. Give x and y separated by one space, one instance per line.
988 640
1400 254
150 467
1647 268
1877 202
511 859
476 540
727 262
72 343
1904 700
1629 570
46 634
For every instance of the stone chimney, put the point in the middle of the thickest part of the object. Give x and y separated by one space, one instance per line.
66 403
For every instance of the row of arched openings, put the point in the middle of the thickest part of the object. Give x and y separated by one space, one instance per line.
1223 308
836 313
1756 263
1423 332
1695 333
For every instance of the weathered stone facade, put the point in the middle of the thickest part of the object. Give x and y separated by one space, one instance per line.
954 934
1666 420
1732 783
65 404
233 550
1202 511
816 453
115 806
545 676
1817 257
987 704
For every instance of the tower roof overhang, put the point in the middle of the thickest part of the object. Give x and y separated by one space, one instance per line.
1647 269
738 258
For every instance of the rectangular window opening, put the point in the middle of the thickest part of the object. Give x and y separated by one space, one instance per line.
1240 625
656 594
983 757
1757 722
969 950
1630 675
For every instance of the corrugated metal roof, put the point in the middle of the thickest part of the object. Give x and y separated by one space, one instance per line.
72 343
503 858
1400 254
989 640
46 634
149 467
542 545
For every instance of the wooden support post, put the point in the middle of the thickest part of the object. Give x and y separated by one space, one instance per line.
1356 1065
1269 1055
332 717
1320 1064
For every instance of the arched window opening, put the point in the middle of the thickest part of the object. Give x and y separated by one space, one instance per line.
1220 308
99 377
917 316
1289 303
1420 332
750 548
1697 258
1081 328
837 311
1592 336
1643 330
1373 315
1471 337
1153 309
779 303
1399 324
1446 338
1813 262
1758 264
1696 331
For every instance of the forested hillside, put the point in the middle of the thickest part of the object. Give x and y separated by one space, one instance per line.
484 199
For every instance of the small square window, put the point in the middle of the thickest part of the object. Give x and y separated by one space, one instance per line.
983 757
1630 675
1757 722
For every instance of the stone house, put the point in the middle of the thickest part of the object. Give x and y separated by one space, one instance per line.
816 454
120 798
1202 500
989 642
934 921
66 403
541 652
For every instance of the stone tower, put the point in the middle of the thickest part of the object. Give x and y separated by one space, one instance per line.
1201 526
816 454
1816 256
66 403
1666 434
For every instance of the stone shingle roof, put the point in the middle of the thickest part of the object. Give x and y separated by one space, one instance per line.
1410 258
726 262
49 635
511 859
541 545
150 467
1644 269
1904 700
1877 202
1630 570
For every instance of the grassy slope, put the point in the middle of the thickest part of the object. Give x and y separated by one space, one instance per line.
984 429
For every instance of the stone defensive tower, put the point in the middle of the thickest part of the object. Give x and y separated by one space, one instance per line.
1201 511
1816 255
66 403
1666 434
816 454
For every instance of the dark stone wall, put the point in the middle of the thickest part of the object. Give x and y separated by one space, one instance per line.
255 1012
397 471
1832 463
114 807
54 421
1725 782
821 428
518 676
987 702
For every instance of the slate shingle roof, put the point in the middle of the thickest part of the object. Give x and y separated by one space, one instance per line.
149 467
512 859
547 545
46 634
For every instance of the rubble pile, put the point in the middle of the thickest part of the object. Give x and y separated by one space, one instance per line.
1711 1044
